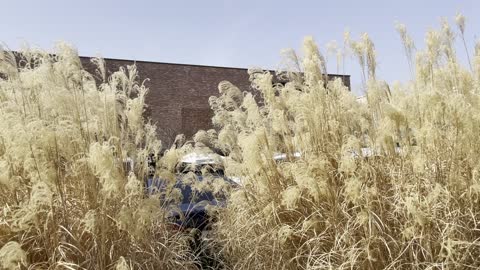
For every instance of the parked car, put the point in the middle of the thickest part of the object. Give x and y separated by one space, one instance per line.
197 180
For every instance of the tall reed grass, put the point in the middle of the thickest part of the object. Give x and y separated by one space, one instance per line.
390 183
67 199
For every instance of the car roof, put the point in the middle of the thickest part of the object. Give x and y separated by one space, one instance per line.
202 158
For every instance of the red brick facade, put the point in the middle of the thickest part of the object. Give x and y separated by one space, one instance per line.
178 96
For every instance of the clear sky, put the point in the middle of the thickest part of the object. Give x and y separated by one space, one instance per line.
242 33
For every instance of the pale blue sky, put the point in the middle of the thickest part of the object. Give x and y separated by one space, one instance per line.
228 33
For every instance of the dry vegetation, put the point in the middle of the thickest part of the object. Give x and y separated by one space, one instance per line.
411 203
66 200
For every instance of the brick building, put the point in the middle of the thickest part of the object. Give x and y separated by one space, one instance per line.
178 93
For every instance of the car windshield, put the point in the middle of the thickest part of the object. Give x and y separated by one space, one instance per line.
189 178
190 196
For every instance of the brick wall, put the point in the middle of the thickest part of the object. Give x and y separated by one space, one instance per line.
178 96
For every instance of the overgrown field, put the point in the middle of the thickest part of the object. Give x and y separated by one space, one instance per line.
392 182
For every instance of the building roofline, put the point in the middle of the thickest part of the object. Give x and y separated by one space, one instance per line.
177 64
190 65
